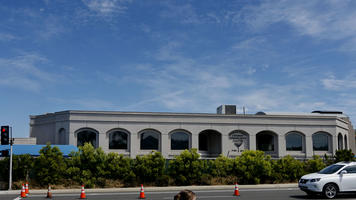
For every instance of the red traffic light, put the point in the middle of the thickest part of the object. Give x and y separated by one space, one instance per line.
3 130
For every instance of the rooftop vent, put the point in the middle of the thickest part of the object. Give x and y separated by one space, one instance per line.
260 113
327 112
226 110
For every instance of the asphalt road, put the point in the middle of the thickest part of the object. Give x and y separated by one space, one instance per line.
246 194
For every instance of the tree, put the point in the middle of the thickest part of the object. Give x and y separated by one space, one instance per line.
88 166
119 167
186 169
252 167
287 169
149 167
344 155
49 166
314 165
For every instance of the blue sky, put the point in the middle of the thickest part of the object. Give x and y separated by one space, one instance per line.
175 56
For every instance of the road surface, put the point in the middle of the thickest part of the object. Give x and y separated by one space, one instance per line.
246 194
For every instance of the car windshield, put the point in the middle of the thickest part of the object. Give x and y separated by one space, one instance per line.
331 169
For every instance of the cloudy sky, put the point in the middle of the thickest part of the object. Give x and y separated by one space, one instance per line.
175 56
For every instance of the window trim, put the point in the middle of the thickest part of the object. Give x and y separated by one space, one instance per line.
180 131
302 139
128 134
159 139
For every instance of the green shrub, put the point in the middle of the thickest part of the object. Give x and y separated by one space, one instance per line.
49 166
314 165
252 167
187 169
149 167
287 169
222 166
88 166
344 155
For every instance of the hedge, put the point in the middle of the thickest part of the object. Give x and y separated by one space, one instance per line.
95 168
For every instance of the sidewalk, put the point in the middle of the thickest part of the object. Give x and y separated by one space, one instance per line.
158 189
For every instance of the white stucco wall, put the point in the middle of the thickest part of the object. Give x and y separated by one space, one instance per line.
46 128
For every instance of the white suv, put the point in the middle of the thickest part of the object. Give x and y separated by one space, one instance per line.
339 177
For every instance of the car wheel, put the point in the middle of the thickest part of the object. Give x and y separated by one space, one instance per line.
330 191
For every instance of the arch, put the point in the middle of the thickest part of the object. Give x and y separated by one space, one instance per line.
87 135
119 139
345 142
210 142
241 139
267 141
295 141
180 139
62 136
321 141
150 139
340 141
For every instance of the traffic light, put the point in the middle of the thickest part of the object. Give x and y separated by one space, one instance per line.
5 135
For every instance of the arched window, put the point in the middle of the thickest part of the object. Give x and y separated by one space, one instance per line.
86 136
266 141
294 141
62 136
210 142
321 141
340 141
150 140
179 140
345 143
118 140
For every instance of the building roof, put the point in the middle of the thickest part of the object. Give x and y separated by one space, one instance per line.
34 150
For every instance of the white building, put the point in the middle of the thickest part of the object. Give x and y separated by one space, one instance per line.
228 133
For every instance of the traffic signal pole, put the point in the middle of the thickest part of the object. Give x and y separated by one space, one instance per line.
10 170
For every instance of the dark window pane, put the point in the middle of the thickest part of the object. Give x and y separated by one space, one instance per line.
351 169
179 141
265 142
118 140
320 142
86 137
149 140
203 142
345 142
294 142
339 142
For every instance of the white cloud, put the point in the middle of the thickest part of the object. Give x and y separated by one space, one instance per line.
107 7
333 20
344 83
251 71
23 72
185 13
5 37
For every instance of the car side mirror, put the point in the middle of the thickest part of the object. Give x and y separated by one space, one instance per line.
343 172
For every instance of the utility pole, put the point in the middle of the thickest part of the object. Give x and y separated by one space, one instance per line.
10 170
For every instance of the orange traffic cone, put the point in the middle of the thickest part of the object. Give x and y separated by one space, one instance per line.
23 193
49 193
236 193
26 189
142 193
82 194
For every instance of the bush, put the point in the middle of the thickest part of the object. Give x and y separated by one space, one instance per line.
252 167
222 166
88 166
119 167
344 155
287 169
314 165
49 166
149 167
186 169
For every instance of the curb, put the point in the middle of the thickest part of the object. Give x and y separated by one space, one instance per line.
158 189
